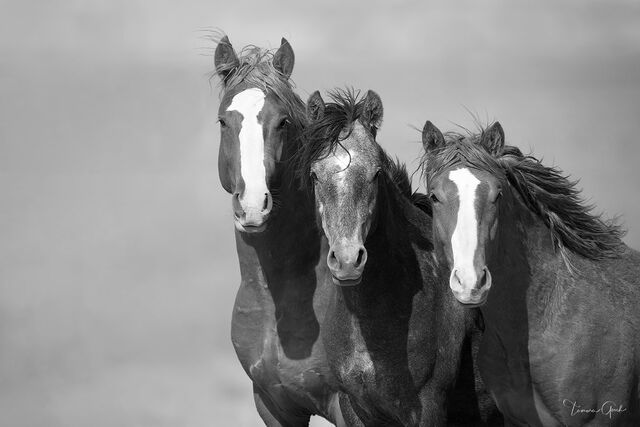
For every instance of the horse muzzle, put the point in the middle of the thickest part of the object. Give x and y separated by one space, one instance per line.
347 263
251 226
470 293
247 217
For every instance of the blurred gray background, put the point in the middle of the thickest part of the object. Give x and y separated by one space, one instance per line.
117 262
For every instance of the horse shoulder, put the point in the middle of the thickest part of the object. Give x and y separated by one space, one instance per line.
591 327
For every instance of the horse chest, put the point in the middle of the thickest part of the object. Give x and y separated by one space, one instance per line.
300 376
350 356
273 369
376 351
357 368
380 378
379 391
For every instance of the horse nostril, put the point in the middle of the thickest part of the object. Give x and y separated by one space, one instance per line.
362 257
268 202
486 278
455 276
332 260
237 207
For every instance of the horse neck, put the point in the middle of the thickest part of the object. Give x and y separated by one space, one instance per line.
291 242
296 208
545 265
524 249
296 211
390 227
396 271
390 244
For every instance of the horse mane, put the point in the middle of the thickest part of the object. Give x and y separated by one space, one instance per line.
545 191
459 149
400 177
558 201
256 69
324 135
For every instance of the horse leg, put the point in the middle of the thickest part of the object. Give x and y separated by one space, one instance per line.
470 403
273 416
489 413
433 399
345 415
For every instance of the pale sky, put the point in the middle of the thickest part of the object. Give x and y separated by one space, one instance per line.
117 263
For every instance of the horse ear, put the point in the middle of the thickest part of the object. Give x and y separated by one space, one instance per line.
225 58
432 138
315 106
372 109
284 58
493 138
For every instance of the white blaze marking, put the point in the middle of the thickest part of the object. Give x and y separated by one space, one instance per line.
249 103
464 239
343 159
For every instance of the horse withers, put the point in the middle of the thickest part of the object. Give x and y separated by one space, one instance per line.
279 306
558 290
393 332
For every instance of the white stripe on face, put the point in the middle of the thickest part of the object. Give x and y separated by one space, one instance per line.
336 167
464 239
338 163
343 159
249 103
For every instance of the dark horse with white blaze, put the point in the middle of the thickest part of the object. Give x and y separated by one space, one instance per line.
393 331
278 310
558 290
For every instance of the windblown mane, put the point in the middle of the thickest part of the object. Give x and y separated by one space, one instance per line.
552 196
325 134
400 177
322 136
256 70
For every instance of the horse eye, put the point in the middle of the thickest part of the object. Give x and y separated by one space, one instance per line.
499 196
283 123
223 124
313 177
433 198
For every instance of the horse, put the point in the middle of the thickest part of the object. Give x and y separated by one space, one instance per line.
393 332
279 306
558 289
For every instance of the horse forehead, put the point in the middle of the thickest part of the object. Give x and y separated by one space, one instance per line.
353 156
465 181
484 182
248 102
356 134
360 145
345 161
337 164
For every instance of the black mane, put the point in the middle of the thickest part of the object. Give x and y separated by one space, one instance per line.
322 136
400 177
546 192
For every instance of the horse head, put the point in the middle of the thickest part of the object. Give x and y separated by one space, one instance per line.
345 172
466 191
255 119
